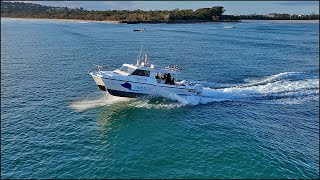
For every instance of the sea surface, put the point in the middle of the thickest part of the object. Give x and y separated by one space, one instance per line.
259 117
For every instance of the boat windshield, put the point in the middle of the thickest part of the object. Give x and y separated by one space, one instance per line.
126 69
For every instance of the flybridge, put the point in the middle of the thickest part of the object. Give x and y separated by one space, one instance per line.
169 69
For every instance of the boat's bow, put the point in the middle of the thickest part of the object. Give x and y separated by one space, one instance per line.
97 77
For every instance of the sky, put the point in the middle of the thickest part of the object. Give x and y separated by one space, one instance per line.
231 7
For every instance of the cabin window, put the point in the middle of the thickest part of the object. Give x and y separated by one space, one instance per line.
139 72
126 69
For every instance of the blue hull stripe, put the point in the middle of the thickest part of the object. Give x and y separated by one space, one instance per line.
125 94
173 86
131 94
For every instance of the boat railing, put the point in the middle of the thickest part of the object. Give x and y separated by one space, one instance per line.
173 68
99 68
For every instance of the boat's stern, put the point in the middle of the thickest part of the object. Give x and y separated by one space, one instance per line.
98 80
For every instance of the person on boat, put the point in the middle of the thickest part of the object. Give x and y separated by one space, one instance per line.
157 76
168 79
172 82
164 77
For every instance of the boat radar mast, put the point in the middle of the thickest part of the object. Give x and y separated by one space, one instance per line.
139 57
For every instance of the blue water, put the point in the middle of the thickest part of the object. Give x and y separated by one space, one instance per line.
259 119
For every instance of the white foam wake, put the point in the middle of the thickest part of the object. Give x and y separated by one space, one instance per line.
280 86
106 99
148 105
279 77
93 102
228 27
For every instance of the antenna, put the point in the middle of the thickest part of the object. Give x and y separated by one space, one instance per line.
137 61
140 51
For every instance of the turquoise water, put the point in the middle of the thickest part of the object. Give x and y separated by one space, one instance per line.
259 119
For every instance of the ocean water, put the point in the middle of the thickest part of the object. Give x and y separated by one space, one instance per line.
258 118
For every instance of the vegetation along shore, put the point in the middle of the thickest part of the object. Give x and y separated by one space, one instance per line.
202 15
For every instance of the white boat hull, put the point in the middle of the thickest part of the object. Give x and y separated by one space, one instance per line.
134 89
126 88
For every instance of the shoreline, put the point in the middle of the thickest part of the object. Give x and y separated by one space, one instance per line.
120 22
282 21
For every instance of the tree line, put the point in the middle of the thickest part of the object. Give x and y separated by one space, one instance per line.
29 10
213 14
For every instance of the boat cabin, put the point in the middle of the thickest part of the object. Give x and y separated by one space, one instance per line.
150 72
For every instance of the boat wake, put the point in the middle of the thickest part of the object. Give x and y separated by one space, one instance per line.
228 27
283 88
106 99
94 102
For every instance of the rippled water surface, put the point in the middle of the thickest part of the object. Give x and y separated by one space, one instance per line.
258 117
